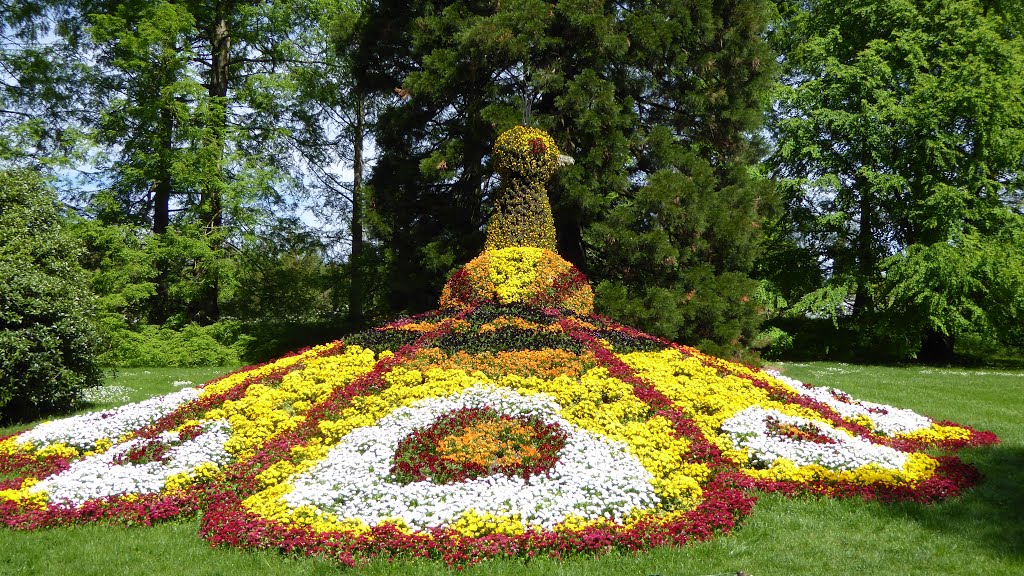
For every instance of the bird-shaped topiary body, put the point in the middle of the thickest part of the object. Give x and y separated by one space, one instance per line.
519 264
525 158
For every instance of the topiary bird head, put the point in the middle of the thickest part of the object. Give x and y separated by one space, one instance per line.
524 152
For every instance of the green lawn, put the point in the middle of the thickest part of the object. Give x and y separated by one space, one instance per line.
980 533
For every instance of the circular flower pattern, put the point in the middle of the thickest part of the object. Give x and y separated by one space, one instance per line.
479 430
593 478
770 435
475 442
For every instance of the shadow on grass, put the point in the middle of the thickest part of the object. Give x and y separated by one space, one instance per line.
992 513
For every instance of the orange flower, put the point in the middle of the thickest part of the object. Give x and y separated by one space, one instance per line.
490 443
547 363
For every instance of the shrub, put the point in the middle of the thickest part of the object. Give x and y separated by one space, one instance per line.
47 341
218 344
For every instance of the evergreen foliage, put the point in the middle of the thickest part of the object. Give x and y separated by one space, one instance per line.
47 343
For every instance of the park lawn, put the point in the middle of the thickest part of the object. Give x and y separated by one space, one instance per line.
978 534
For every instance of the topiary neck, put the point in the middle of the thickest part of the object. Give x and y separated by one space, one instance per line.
525 158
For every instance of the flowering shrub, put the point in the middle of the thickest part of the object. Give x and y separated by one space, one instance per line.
530 276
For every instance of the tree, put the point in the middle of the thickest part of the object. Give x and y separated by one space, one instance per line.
678 250
47 341
899 137
205 122
657 103
38 85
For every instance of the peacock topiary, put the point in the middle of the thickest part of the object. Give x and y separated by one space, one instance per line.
510 422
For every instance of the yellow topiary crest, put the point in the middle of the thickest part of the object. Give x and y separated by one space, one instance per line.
526 153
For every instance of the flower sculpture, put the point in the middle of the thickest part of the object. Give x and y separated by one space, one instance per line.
525 158
509 422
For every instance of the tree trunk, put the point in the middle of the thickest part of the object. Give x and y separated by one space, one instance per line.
355 294
162 216
937 348
220 59
570 237
162 192
865 248
475 147
208 309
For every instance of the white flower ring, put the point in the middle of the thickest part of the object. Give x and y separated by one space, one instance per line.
594 477
886 420
101 476
85 430
749 429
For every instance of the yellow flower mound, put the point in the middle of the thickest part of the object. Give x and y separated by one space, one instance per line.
473 524
917 468
232 380
529 276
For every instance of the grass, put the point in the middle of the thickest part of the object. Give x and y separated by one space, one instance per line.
978 534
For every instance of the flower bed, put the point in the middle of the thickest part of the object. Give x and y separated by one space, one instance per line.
161 454
474 433
508 423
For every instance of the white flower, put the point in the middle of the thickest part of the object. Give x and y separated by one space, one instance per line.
107 394
749 429
85 430
886 420
99 476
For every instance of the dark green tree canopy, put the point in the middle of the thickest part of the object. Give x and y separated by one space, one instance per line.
47 342
657 102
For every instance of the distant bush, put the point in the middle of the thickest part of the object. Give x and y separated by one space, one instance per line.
219 344
47 341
